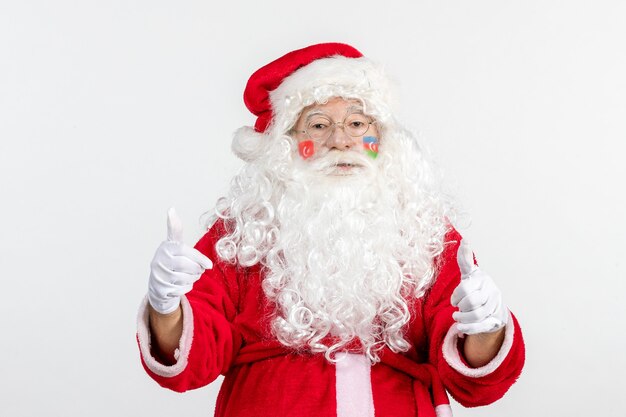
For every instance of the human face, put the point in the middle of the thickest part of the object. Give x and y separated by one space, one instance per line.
341 118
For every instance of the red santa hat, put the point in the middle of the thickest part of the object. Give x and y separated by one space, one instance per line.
268 78
277 92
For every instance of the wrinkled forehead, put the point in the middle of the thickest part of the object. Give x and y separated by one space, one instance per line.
335 107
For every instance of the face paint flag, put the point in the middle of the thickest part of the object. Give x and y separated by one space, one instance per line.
370 144
306 149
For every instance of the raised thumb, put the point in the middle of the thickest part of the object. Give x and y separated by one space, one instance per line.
174 226
465 259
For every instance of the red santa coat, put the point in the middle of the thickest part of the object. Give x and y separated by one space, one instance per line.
226 330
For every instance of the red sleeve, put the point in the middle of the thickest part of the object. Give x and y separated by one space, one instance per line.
471 387
209 342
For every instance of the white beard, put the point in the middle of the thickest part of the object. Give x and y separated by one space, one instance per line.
343 256
335 267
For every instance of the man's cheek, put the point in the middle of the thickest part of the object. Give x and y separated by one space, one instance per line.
306 149
370 145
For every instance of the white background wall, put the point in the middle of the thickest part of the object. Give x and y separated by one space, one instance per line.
112 111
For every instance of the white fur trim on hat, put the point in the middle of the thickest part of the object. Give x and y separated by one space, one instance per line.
338 76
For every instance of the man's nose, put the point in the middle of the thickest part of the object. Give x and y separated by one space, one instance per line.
339 139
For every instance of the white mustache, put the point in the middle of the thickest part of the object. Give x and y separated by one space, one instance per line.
335 158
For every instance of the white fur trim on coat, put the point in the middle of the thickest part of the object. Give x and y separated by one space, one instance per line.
184 345
443 410
353 386
453 357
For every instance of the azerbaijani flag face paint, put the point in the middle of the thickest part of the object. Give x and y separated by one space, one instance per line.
370 144
306 149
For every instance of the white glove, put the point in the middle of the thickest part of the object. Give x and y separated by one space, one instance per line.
479 300
174 268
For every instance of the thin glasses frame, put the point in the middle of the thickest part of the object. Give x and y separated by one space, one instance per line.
333 125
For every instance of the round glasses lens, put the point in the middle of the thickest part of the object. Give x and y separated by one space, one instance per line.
319 128
356 125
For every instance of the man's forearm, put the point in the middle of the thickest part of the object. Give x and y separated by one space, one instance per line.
166 331
479 349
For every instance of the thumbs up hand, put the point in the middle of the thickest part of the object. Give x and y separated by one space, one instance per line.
479 300
174 268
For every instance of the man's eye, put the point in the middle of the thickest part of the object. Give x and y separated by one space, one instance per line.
357 123
318 126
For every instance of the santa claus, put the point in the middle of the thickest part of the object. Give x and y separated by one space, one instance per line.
330 281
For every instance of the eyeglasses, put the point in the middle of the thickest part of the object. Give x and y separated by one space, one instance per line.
319 128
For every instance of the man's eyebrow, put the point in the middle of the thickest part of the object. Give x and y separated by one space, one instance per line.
356 108
315 112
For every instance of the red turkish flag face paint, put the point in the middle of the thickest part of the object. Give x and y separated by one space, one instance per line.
306 149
